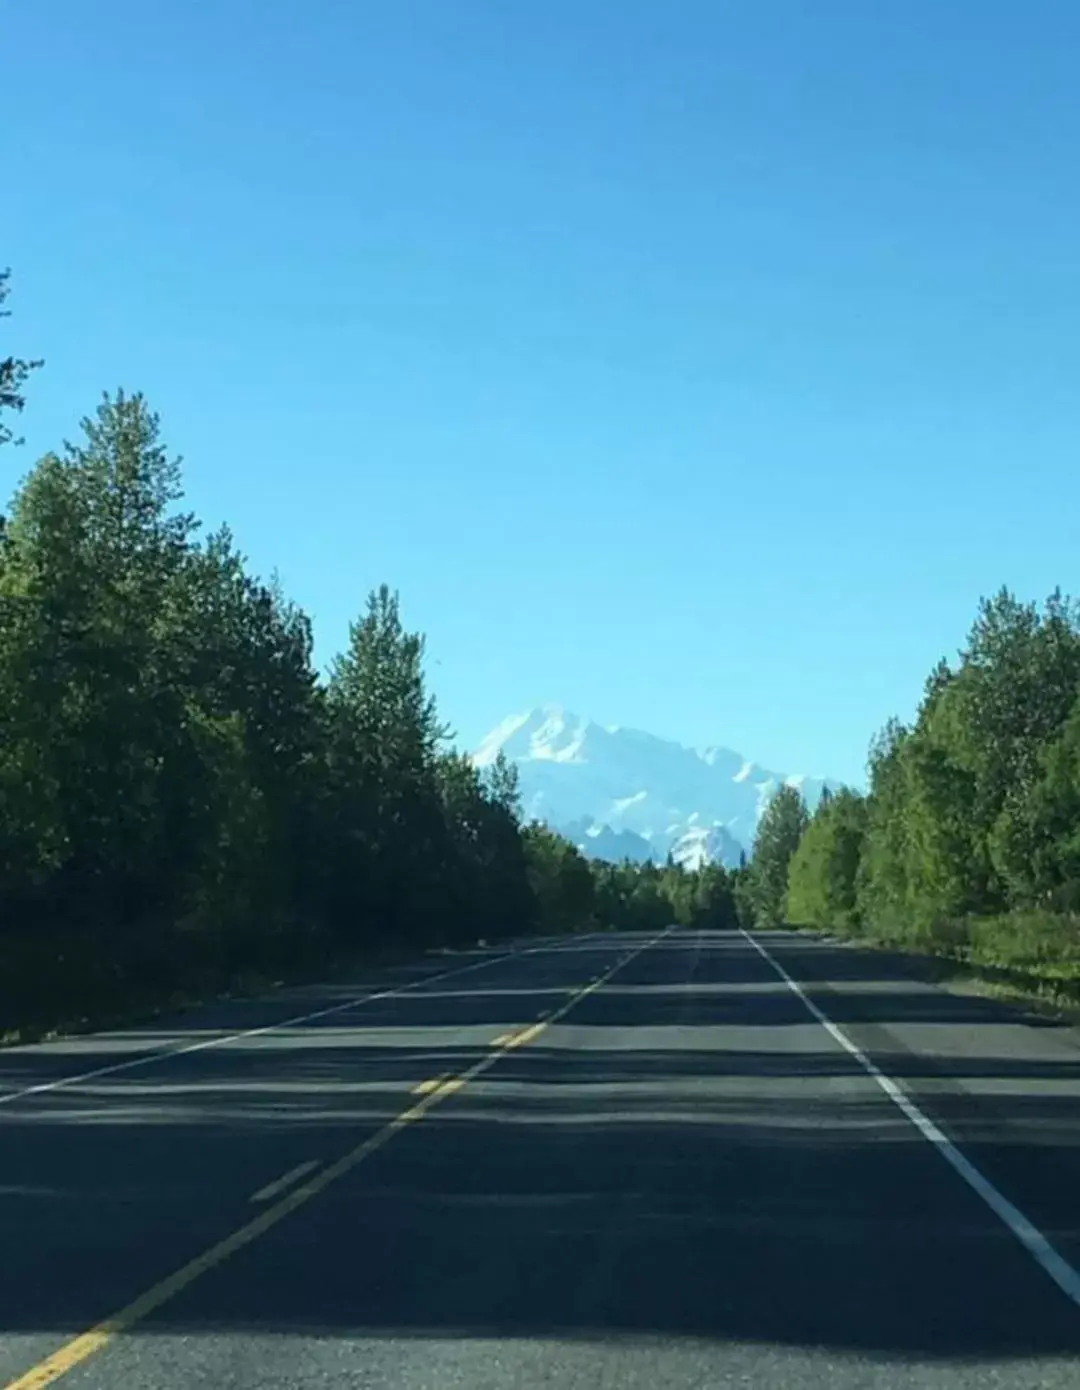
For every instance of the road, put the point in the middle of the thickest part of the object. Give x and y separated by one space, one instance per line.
692 1160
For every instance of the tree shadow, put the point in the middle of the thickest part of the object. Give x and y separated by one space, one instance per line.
689 1156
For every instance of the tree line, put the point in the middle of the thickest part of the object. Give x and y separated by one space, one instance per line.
186 803
967 841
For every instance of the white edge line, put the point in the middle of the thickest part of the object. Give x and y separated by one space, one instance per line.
163 1054
286 1180
1030 1237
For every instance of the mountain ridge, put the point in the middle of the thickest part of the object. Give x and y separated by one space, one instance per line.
618 791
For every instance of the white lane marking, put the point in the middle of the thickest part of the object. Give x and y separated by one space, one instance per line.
286 1180
1030 1237
162 1054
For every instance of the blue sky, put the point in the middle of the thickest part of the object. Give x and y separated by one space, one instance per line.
694 365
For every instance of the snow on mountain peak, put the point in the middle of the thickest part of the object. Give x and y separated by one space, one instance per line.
547 733
500 736
624 793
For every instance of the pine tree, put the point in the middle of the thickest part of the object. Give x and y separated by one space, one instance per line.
385 738
561 881
504 785
14 372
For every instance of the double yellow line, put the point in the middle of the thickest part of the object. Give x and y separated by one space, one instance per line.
429 1093
511 1040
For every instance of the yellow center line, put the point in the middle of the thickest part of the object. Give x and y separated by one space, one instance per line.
80 1348
286 1180
423 1088
526 1035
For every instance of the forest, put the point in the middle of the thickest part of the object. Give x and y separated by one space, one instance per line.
966 843
188 807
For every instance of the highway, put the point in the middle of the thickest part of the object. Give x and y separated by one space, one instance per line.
685 1160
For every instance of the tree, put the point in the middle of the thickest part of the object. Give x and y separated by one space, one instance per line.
778 835
486 876
385 735
504 785
714 901
882 880
972 811
561 881
254 700
1036 839
1012 693
92 580
14 372
182 800
823 871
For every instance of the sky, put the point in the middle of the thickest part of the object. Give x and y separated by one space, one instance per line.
694 365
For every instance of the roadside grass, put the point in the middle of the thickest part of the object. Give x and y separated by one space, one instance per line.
1032 956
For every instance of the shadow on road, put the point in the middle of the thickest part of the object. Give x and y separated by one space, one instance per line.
688 1154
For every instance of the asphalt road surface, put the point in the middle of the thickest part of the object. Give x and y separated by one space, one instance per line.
693 1160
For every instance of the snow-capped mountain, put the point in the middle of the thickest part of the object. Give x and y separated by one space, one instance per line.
622 793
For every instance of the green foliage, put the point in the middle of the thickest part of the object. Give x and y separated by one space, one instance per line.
882 876
385 739
1035 841
823 871
712 899
1028 941
561 882
779 831
182 801
969 840
14 372
645 897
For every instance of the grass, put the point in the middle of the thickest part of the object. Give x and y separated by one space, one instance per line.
1030 956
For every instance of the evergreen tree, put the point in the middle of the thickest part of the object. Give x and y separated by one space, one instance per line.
385 737
561 881
14 372
182 799
504 785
